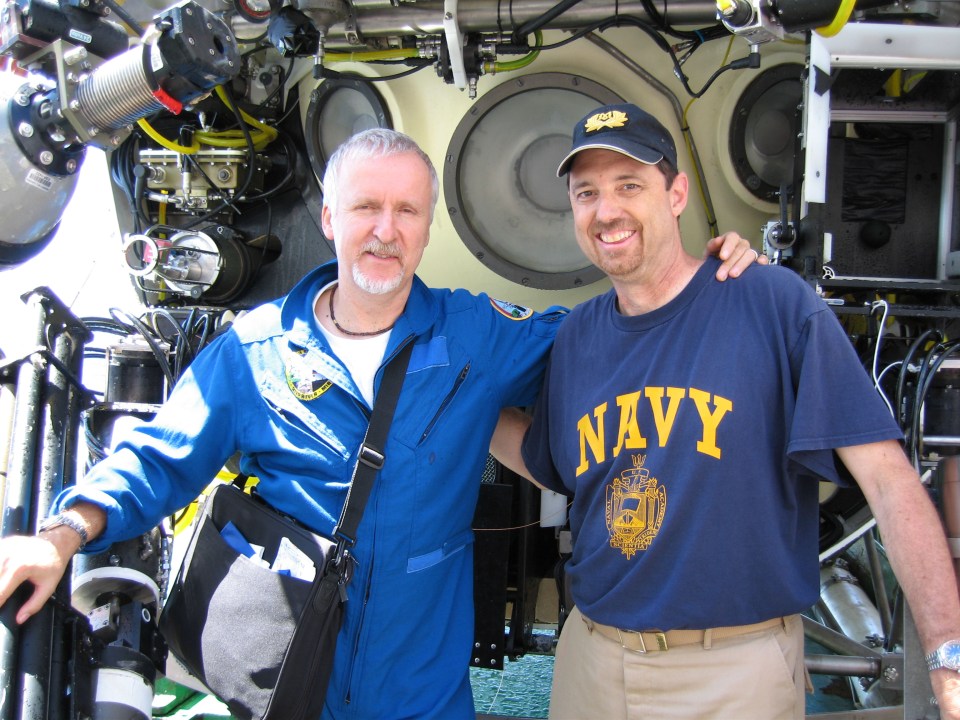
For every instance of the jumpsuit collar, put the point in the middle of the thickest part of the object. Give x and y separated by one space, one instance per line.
297 317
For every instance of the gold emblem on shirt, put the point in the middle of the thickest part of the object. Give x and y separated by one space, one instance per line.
636 504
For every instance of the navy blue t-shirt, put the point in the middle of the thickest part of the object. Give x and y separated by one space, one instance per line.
693 438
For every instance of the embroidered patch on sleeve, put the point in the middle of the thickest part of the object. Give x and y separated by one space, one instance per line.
510 310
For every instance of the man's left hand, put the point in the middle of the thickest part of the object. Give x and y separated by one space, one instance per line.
736 254
946 686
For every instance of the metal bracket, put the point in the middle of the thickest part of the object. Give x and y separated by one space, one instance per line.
451 29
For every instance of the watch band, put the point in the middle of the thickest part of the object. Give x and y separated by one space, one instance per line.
946 656
55 521
933 661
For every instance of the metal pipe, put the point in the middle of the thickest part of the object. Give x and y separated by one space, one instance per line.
8 398
425 17
835 641
60 662
18 509
948 179
942 440
897 625
842 665
36 643
879 586
77 401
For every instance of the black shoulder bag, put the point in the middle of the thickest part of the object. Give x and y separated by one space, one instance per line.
263 641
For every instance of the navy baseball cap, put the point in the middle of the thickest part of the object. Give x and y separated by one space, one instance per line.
625 129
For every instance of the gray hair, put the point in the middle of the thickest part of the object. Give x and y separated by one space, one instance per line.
374 143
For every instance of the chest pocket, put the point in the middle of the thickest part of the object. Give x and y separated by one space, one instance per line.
309 420
446 402
437 373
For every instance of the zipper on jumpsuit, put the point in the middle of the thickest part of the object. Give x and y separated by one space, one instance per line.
369 578
446 401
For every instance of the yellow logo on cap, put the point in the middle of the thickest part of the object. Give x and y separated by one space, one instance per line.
612 119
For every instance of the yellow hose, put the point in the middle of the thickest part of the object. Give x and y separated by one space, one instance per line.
843 14
510 65
164 142
267 131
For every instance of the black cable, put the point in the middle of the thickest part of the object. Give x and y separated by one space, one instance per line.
750 61
255 40
902 375
126 17
596 27
913 428
713 32
180 346
96 450
107 325
291 153
366 78
127 174
250 164
924 387
293 106
520 34
196 166
205 322
148 336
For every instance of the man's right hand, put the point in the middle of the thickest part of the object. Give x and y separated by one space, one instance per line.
41 560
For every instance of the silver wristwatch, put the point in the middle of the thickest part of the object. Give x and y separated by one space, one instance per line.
55 521
946 656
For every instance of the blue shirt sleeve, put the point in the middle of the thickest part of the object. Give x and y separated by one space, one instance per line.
837 404
160 466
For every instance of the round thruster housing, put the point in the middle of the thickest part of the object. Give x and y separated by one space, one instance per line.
500 179
764 127
339 109
35 195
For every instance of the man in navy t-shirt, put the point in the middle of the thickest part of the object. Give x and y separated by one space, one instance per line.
691 421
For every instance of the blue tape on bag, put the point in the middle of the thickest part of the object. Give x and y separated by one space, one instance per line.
235 539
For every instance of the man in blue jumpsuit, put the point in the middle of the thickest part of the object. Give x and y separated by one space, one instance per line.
290 387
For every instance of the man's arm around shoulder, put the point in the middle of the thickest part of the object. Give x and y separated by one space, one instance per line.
507 439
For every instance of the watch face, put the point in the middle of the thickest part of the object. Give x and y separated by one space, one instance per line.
950 652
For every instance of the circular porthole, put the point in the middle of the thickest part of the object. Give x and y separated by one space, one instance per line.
338 109
500 184
763 131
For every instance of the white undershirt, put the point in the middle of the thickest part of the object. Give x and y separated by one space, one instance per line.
361 355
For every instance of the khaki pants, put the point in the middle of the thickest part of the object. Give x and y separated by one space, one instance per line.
759 676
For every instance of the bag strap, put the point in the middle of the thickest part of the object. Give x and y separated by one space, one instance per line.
328 586
371 457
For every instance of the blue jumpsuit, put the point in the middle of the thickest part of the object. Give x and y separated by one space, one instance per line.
271 389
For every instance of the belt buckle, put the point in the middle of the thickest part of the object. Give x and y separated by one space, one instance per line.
661 637
643 646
